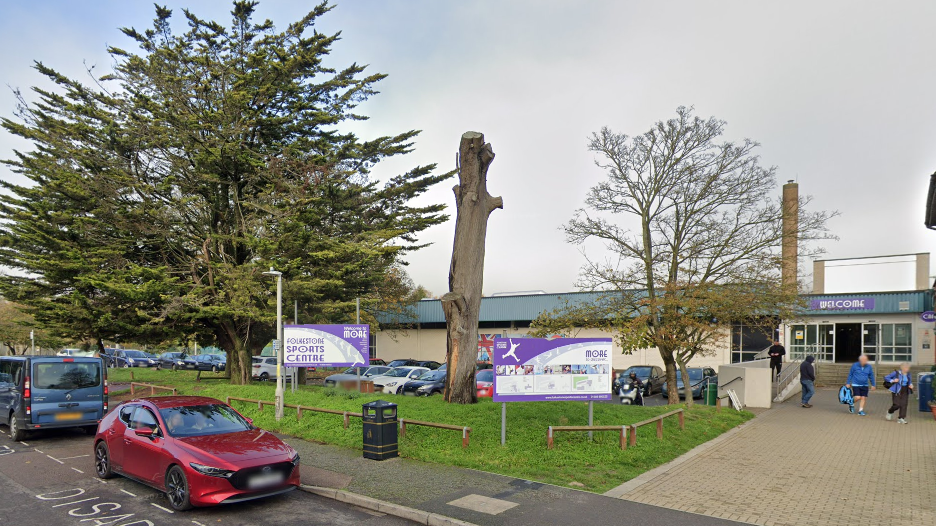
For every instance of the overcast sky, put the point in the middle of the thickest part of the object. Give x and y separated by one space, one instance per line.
839 94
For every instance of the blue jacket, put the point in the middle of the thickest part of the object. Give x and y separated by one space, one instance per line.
898 381
861 376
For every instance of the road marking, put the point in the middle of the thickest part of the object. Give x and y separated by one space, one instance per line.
55 459
24 443
76 456
78 470
196 523
101 481
37 451
167 510
128 493
75 502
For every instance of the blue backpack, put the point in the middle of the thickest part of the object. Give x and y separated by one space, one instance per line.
845 395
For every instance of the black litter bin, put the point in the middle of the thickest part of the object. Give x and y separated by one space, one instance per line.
925 390
380 430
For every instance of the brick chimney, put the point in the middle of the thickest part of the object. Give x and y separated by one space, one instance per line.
790 243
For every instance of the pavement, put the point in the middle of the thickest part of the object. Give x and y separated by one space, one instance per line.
49 479
474 496
793 466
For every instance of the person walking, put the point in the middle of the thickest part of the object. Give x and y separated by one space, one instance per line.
807 380
860 381
776 353
901 386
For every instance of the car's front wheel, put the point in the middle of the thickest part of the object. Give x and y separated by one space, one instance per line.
177 489
102 465
16 433
175 367
214 368
264 377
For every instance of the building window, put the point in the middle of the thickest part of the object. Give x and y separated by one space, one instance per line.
748 340
372 347
815 340
896 342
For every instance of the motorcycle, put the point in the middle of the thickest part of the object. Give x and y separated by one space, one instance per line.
630 393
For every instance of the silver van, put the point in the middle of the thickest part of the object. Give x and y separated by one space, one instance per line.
47 392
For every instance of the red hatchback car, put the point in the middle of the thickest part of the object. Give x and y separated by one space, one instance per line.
198 450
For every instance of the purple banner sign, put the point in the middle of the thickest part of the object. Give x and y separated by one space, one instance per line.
326 345
539 369
842 304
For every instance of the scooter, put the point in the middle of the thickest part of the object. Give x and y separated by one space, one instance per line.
629 393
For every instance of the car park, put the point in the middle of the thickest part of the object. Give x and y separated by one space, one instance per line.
108 356
394 380
172 360
485 383
198 450
427 384
48 392
377 361
407 362
698 378
651 376
351 374
132 358
210 362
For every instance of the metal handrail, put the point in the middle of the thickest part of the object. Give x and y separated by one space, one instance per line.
786 380
763 354
721 386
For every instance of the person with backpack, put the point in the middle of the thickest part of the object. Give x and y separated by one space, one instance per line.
900 384
776 353
807 380
860 381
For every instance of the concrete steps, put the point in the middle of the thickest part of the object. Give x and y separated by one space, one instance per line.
835 374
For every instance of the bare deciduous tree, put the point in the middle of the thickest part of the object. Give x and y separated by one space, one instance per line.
693 229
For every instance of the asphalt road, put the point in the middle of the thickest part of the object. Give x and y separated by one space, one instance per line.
48 479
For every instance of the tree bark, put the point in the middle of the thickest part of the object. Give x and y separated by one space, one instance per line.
238 360
466 274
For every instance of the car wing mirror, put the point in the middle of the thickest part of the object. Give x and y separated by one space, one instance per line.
147 432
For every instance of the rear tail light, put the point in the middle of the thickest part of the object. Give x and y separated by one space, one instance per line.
68 360
27 396
106 390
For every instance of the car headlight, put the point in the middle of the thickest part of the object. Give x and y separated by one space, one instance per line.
295 459
212 471
425 388
129 360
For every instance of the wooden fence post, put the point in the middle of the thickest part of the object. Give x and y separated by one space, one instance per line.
660 428
465 437
682 420
152 391
402 428
132 389
347 420
229 400
298 412
633 436
131 375
623 437
259 405
549 438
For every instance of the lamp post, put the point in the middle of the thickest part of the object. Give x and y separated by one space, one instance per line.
278 344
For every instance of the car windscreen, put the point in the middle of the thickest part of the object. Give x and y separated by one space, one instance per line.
200 420
67 376
432 376
355 370
642 372
397 363
694 375
399 372
135 354
376 371
487 375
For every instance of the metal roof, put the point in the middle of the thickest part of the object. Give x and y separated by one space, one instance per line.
495 308
526 307
915 301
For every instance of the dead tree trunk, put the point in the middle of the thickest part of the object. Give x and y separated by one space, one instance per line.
463 302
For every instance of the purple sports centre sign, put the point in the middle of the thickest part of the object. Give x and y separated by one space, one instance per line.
326 345
539 369
842 304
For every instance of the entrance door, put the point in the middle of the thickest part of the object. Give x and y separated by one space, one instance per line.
871 340
848 342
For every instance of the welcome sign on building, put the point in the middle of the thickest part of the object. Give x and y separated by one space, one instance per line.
539 369
840 304
326 345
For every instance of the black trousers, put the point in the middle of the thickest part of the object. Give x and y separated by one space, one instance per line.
776 365
901 401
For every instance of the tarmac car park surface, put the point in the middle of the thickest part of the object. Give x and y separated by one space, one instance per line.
49 479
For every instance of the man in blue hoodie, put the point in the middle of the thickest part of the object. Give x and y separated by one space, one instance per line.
860 380
807 380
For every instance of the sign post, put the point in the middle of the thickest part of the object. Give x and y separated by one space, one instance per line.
543 370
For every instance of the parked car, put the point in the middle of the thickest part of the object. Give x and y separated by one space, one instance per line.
132 358
172 360
351 374
698 377
428 384
52 392
652 377
108 355
406 362
264 369
198 450
76 352
394 380
210 362
485 383
377 361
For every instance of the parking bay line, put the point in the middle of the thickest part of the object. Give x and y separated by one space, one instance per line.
128 493
196 523
76 456
167 510
78 470
55 459
24 443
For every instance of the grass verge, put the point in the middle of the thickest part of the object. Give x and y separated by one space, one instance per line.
598 466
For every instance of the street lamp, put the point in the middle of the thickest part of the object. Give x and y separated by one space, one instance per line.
278 343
